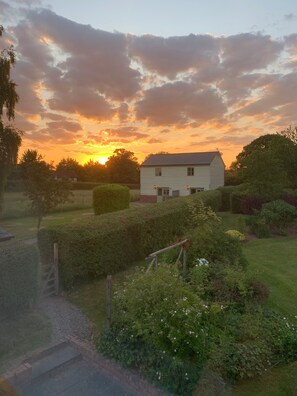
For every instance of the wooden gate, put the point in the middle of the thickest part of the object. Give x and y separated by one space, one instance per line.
50 275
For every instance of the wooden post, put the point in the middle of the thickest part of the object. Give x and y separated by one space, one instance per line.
108 300
184 262
56 268
155 262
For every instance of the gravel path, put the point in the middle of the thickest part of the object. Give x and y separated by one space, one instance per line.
66 319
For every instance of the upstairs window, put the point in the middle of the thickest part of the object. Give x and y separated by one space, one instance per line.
158 172
190 171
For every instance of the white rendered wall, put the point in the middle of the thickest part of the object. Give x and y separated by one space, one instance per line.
174 177
217 172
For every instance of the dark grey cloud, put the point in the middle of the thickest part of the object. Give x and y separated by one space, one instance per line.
179 103
247 52
173 55
95 59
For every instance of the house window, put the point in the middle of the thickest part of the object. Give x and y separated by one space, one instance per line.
190 171
163 191
194 190
158 172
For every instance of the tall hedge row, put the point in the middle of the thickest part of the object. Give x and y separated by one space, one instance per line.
111 242
110 198
18 278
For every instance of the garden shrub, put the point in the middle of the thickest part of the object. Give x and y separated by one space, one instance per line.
110 198
113 241
162 323
278 215
236 234
250 204
235 201
19 278
258 226
226 197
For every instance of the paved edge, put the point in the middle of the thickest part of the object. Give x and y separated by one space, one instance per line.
131 379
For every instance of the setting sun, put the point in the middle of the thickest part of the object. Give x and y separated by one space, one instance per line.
102 160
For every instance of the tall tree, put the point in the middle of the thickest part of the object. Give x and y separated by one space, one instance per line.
10 137
95 172
41 187
290 133
123 167
71 165
268 163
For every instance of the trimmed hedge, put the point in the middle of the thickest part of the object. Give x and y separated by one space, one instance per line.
227 191
110 198
19 278
113 241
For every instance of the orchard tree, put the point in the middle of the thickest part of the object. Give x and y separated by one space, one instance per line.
41 187
10 137
123 167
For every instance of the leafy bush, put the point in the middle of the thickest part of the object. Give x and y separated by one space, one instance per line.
235 201
162 322
226 197
111 242
110 198
258 226
19 278
278 215
250 204
236 234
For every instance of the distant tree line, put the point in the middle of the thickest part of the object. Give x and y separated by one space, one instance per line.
121 167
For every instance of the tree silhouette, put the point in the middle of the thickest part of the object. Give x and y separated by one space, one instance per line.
10 137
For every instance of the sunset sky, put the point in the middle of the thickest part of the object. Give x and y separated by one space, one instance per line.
149 76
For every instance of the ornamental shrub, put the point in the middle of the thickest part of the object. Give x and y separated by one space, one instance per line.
278 215
19 278
236 234
110 198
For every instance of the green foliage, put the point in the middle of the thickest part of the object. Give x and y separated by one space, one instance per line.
110 198
169 372
19 278
268 164
236 234
122 167
226 197
278 215
44 192
95 247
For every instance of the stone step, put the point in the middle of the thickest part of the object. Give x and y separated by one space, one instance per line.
44 364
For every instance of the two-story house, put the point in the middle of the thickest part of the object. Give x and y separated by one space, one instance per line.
172 175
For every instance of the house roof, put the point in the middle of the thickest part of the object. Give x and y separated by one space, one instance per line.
204 158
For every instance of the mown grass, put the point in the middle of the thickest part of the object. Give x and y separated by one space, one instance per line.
21 334
17 205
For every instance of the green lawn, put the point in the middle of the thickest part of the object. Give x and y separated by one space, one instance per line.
17 205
